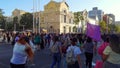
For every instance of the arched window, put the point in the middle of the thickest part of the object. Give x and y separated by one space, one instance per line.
74 29
64 11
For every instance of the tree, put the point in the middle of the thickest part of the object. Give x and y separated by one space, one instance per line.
103 26
15 21
1 13
114 28
117 29
2 19
9 26
78 16
26 20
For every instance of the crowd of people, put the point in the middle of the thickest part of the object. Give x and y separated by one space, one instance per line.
65 46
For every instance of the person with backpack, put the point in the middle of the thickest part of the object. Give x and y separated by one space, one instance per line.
56 52
73 55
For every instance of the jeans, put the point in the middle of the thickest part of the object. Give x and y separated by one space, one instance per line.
56 59
64 63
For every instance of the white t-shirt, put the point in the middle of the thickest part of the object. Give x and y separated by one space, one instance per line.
77 50
19 54
113 56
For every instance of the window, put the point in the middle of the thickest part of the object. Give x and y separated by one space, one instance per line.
64 11
69 20
69 29
64 28
64 18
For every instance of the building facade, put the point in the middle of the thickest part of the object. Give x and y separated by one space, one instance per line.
112 16
107 19
18 13
56 17
95 12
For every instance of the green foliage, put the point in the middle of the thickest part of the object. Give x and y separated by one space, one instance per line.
2 20
15 19
117 28
27 19
1 13
77 17
9 26
103 26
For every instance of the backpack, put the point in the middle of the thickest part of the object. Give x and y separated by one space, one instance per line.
54 48
70 58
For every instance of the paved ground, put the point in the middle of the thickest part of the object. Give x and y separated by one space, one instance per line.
42 58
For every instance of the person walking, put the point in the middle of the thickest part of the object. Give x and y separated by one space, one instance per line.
37 41
111 54
89 50
21 52
56 52
73 55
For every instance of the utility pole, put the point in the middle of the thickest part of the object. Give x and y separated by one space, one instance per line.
33 18
36 16
39 15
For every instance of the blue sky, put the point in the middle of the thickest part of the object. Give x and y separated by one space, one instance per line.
108 6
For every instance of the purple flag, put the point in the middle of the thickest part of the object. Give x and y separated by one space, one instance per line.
93 31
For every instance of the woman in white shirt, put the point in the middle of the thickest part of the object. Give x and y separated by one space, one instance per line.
111 54
21 51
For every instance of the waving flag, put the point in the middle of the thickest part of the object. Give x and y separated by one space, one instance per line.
93 31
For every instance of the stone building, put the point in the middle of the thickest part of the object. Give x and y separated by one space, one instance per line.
18 13
56 17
